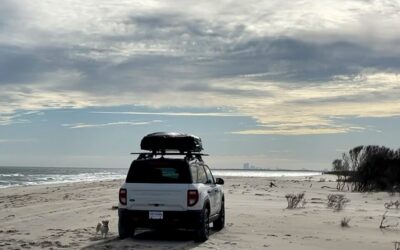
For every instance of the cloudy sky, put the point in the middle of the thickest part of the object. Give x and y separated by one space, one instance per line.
288 84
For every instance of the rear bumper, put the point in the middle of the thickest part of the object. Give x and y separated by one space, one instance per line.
171 219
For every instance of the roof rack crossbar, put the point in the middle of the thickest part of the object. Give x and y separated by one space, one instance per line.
151 154
168 153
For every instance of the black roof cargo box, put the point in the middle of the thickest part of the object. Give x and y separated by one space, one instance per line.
162 141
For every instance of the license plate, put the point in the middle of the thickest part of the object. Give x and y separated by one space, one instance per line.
156 215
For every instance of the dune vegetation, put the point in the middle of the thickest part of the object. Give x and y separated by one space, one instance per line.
368 168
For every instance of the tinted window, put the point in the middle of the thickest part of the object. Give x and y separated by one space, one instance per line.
158 171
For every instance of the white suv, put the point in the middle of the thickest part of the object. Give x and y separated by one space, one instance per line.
162 192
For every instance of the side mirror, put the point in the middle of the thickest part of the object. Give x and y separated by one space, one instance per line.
219 181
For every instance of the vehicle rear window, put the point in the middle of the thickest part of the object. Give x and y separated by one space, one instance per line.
159 171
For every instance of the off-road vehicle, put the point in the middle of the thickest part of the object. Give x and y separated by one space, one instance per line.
170 186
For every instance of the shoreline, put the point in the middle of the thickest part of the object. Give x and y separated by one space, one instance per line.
65 216
69 178
59 183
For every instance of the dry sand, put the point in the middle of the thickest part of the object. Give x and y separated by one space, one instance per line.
65 216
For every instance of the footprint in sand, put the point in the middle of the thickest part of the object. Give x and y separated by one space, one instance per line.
11 231
46 243
310 237
230 243
60 245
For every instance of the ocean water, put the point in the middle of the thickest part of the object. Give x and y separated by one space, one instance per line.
265 173
28 176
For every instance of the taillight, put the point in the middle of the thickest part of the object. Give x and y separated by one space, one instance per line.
122 196
192 197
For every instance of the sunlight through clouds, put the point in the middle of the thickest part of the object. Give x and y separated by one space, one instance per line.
294 67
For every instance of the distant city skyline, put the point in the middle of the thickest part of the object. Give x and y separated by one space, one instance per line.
287 85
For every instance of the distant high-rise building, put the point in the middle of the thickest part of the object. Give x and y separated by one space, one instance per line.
246 165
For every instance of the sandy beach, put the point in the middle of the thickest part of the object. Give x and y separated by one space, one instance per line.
65 216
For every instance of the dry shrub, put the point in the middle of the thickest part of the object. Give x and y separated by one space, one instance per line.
337 201
391 204
385 222
345 222
294 200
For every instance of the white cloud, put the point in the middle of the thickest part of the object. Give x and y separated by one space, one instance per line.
296 67
315 109
209 114
109 124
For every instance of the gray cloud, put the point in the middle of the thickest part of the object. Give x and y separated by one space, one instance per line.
27 65
8 12
182 47
303 62
176 55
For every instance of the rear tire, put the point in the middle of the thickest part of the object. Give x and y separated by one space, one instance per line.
203 231
219 224
125 230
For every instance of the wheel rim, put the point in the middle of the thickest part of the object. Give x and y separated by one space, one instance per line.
207 223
